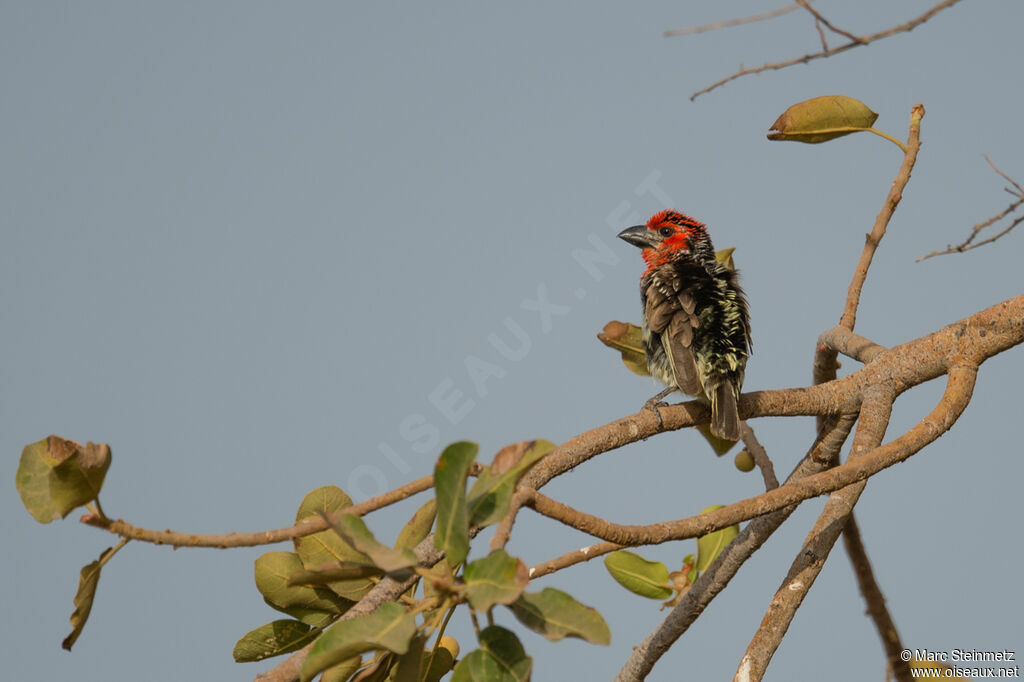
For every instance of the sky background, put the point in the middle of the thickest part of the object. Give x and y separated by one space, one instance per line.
243 242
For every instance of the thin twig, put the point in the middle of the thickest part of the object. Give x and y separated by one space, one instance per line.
969 243
821 34
875 600
732 22
305 527
572 558
760 455
1004 176
873 239
902 28
819 19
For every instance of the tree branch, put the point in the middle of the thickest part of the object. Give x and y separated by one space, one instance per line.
305 527
760 455
871 425
825 365
873 239
969 243
875 601
820 19
977 337
726 565
857 42
732 22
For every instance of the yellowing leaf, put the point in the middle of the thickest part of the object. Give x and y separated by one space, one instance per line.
822 119
88 580
627 339
56 475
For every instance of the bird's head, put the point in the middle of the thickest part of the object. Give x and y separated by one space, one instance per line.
668 236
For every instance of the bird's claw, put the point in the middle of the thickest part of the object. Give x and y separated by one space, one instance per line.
656 402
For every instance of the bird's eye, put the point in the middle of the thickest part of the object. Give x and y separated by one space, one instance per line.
666 231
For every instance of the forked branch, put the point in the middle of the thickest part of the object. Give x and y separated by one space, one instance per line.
826 51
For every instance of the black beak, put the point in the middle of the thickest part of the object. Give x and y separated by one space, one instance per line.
640 236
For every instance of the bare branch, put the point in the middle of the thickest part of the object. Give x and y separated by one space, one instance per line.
760 455
821 34
266 537
902 28
820 20
871 425
969 243
572 558
875 600
726 565
825 357
732 22
872 241
976 338
851 345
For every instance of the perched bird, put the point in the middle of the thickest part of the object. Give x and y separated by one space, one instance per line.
696 327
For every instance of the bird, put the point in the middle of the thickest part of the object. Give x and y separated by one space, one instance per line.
696 321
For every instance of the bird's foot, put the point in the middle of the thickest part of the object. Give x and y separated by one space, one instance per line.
655 402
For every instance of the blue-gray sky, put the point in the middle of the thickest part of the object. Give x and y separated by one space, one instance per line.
243 243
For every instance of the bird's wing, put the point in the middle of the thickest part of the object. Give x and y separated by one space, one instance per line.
674 317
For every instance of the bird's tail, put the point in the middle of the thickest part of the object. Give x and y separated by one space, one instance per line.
725 418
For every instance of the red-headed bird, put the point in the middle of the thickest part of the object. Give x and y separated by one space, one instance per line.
696 327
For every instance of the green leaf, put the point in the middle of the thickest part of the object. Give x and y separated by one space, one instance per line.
555 614
628 340
407 669
343 671
88 581
690 566
822 119
273 572
418 526
326 499
273 639
56 475
491 493
388 628
500 658
719 445
498 578
325 547
378 669
331 573
354 531
440 661
450 475
711 545
638 575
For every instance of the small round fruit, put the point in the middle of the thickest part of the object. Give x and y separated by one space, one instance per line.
744 461
450 644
